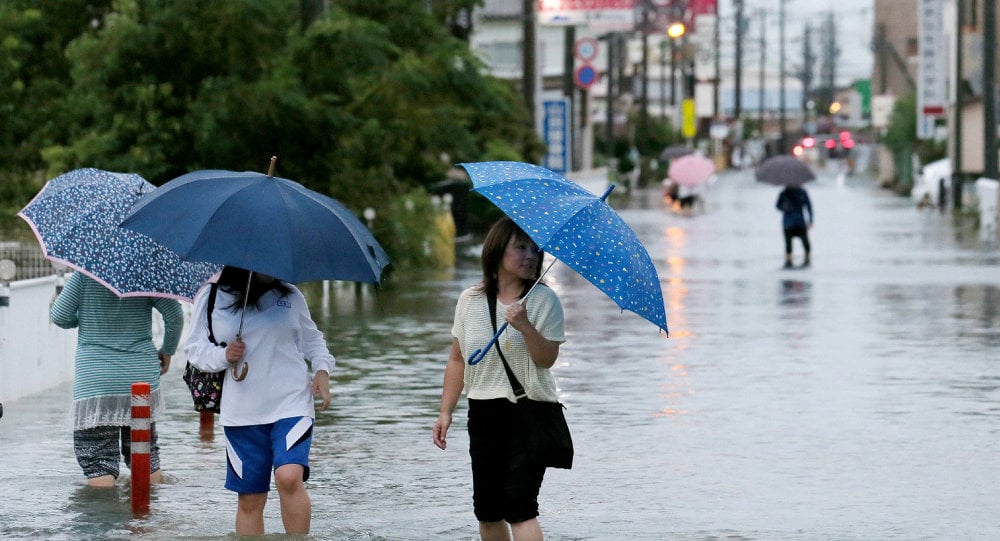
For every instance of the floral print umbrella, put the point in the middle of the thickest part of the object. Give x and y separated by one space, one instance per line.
577 228
75 218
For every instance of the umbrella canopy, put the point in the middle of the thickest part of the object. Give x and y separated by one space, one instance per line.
691 170
784 170
261 223
75 218
577 228
675 151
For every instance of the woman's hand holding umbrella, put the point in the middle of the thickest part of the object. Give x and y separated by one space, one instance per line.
234 354
542 351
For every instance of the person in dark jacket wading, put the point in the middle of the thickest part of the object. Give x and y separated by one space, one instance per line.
793 202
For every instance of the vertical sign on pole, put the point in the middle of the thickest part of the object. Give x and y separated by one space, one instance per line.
689 124
706 77
140 436
932 70
555 130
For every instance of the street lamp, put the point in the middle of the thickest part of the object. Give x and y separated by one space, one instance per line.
675 31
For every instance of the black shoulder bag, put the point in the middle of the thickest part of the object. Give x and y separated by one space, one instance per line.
206 387
545 430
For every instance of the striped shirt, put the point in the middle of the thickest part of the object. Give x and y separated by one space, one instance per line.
473 329
114 349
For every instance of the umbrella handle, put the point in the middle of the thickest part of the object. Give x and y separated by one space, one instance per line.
243 374
481 352
246 366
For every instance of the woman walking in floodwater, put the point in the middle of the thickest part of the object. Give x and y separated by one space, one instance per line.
268 417
505 481
114 350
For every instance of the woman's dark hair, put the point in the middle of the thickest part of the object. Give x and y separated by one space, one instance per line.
493 249
233 280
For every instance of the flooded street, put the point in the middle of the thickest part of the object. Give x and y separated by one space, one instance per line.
858 399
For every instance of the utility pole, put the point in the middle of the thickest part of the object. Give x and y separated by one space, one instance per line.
529 72
609 125
830 53
763 67
569 90
956 162
989 89
738 71
716 38
808 61
663 79
882 56
673 71
781 76
644 98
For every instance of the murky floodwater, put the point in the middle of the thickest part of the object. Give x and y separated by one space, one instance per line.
855 400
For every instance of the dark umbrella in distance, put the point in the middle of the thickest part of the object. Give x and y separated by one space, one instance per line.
784 170
675 151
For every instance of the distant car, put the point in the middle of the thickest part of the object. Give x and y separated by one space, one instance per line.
836 145
929 183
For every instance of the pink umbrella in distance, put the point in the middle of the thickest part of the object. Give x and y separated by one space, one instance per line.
691 170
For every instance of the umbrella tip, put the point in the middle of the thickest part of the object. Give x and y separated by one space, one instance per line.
270 169
607 192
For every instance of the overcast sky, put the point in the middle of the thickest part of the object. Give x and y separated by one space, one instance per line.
853 18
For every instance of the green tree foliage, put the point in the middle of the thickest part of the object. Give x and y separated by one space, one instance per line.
363 101
34 79
901 138
902 133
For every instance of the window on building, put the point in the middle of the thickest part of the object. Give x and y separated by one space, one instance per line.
502 56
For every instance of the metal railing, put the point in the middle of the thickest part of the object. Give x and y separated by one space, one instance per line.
28 258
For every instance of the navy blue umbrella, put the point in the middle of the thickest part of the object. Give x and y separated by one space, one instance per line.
261 223
265 224
75 217
576 227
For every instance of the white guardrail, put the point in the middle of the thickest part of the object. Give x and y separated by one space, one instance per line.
36 355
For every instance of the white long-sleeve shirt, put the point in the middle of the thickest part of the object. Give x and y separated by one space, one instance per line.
279 337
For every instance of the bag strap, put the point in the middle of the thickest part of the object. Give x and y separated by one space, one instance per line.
211 306
519 391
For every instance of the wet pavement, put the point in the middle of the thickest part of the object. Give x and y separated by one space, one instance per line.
857 399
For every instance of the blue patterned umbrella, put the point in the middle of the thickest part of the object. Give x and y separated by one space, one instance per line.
577 228
75 218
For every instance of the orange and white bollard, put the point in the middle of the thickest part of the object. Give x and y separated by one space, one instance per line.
140 448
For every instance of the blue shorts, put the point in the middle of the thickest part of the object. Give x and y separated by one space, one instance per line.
253 451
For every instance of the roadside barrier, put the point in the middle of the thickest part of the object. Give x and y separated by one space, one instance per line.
140 448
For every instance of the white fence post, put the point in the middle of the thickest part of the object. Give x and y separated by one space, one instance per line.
988 191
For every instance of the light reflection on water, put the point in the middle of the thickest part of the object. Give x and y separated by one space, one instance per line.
855 400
